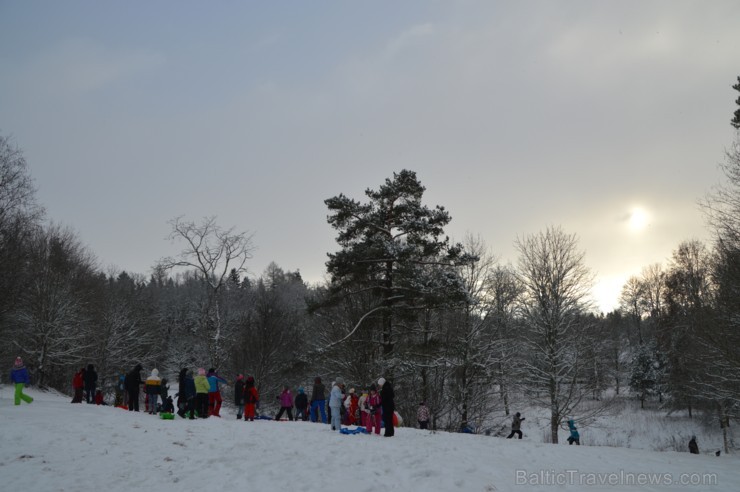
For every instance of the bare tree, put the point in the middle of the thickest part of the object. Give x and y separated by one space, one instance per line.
473 350
632 302
653 285
215 254
53 328
505 292
556 288
19 220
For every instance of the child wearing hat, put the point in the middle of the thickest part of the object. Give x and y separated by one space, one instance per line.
19 376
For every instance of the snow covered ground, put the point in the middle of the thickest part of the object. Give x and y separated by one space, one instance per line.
51 445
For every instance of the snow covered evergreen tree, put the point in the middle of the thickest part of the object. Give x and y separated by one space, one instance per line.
393 247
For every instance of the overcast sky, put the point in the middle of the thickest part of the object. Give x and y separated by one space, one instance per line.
515 115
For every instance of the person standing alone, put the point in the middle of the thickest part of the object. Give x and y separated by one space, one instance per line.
516 426
19 376
388 404
91 381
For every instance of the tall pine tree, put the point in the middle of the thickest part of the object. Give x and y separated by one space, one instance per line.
393 247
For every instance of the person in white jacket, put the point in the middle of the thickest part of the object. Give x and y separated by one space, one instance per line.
335 404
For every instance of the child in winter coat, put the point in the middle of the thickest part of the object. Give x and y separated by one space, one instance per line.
239 387
372 409
78 383
168 406
516 426
153 388
214 394
574 436
19 376
251 398
422 415
286 403
361 408
352 404
99 398
164 390
301 405
202 387
186 394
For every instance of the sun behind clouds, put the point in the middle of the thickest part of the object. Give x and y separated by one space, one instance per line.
638 219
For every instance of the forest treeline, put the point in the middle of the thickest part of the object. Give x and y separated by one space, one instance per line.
447 322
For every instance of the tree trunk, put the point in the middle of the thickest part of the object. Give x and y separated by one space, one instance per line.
554 427
724 422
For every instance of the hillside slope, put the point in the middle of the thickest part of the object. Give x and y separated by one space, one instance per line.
51 445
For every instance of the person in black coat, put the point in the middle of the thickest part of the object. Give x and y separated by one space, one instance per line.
693 446
516 426
133 383
90 379
301 405
388 405
181 399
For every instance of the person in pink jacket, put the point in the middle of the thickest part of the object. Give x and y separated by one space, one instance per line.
372 408
286 403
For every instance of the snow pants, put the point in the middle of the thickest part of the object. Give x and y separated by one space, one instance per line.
283 410
372 420
201 405
90 393
77 398
249 411
316 406
214 403
153 403
19 395
133 401
336 418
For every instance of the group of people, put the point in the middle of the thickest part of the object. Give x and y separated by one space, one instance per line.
373 406
84 384
516 429
199 395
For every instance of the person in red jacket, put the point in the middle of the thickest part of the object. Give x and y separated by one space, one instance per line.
78 383
352 404
99 398
251 398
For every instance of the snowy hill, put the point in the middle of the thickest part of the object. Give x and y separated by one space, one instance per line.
51 445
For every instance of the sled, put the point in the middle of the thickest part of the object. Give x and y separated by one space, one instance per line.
167 416
357 430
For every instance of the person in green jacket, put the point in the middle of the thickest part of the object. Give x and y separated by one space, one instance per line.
202 387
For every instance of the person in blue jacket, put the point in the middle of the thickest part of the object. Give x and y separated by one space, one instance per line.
214 394
574 436
19 376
